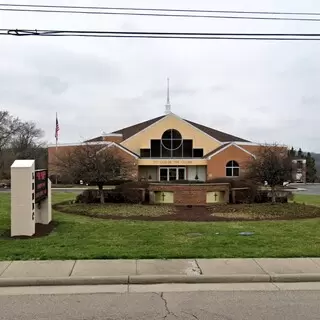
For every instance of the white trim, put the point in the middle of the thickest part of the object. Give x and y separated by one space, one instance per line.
227 146
242 143
111 134
79 144
111 144
168 115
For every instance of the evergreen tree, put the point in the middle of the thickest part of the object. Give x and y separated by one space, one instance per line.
292 152
311 168
300 153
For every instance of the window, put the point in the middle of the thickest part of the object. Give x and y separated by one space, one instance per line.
145 153
171 145
171 139
232 169
197 153
155 148
187 148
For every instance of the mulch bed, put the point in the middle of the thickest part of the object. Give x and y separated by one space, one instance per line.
41 230
183 213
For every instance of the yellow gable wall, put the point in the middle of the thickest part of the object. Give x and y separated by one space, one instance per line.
142 139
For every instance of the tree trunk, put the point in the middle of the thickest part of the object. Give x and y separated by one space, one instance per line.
100 186
273 195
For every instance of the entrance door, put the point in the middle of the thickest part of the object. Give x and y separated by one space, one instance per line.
172 174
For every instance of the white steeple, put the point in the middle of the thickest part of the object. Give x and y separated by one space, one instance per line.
168 105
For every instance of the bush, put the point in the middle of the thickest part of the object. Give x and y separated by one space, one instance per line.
134 191
112 196
133 185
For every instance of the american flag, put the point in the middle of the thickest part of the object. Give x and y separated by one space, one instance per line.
57 128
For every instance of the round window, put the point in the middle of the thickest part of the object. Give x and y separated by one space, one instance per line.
171 139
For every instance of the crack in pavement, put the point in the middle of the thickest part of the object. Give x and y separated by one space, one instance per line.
166 306
191 314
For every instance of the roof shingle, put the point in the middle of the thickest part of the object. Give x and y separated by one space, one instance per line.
132 130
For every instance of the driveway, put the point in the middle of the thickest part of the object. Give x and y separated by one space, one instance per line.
312 189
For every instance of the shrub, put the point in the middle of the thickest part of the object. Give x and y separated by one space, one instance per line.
133 185
134 195
112 196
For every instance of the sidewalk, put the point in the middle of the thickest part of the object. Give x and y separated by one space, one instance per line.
90 272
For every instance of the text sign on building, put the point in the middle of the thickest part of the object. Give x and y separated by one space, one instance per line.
172 162
41 185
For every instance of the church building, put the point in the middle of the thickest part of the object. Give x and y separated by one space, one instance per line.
169 148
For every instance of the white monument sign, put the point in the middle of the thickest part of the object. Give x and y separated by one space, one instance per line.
30 198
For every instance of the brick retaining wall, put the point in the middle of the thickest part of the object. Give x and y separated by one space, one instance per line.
191 194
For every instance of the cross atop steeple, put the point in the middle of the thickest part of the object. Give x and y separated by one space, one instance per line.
168 105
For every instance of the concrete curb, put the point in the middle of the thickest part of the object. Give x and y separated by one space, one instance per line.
62 281
157 279
295 277
236 278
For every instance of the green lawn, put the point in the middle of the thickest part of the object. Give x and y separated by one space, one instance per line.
307 199
79 237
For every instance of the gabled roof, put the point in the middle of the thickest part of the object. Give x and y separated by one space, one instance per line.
219 135
226 146
97 139
117 145
134 129
223 146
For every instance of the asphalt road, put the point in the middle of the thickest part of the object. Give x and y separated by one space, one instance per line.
208 305
312 189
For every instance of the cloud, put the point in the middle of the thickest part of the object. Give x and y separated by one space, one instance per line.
53 84
259 90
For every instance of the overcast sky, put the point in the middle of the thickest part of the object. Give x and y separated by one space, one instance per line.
266 91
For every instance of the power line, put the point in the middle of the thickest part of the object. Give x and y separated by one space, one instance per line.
160 9
162 35
160 15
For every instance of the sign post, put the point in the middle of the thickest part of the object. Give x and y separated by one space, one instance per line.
30 198
42 197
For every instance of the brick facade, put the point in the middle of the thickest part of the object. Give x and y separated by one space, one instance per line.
216 166
191 194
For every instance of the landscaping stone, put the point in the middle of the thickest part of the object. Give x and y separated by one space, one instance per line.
229 266
288 266
104 268
19 269
167 267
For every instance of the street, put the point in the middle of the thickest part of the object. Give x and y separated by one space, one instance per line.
228 304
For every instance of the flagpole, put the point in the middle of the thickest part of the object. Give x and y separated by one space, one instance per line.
56 145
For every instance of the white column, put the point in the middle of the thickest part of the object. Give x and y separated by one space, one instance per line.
22 198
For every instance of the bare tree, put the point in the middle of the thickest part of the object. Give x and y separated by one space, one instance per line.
8 128
21 140
26 139
92 163
272 164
